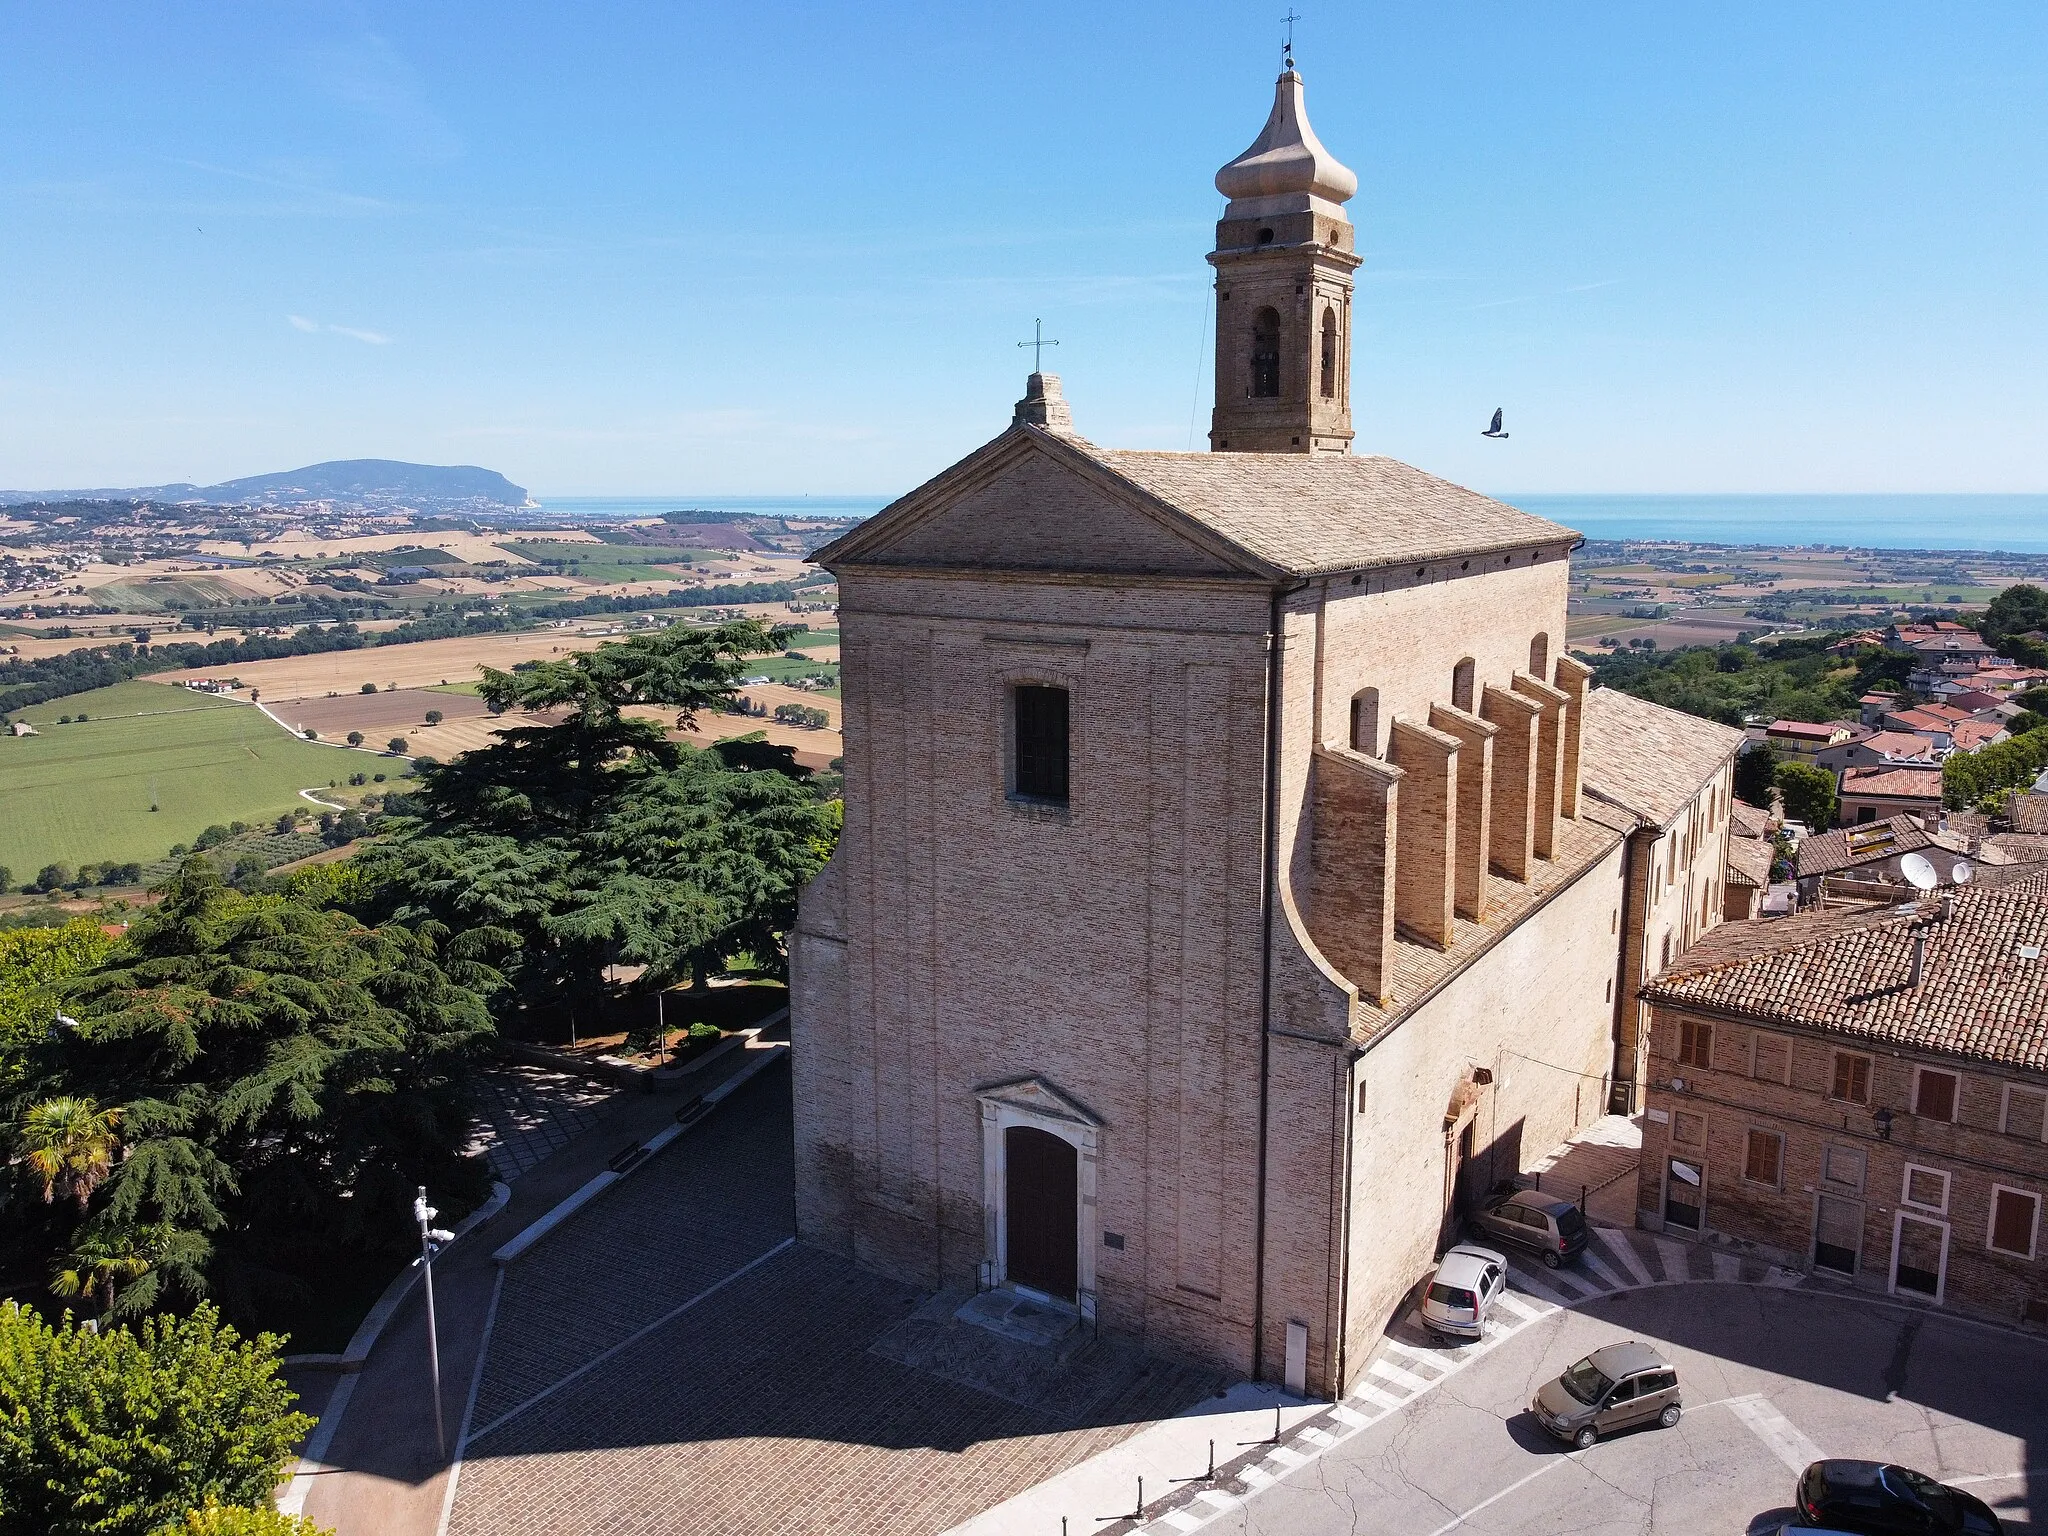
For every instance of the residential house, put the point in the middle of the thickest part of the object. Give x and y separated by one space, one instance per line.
1864 1095
1935 722
1974 735
1748 878
1873 707
1871 794
1869 748
1801 740
1870 854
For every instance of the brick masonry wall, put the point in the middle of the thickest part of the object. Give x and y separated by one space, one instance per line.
1111 947
1729 1101
1536 1010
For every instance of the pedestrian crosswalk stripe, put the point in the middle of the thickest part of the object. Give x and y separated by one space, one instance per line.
1600 1267
1727 1267
1389 1372
1530 1285
1519 1305
1380 1395
1349 1418
1395 1346
1617 1243
1673 1255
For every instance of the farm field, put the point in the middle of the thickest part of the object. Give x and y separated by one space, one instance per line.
80 793
417 665
607 563
465 724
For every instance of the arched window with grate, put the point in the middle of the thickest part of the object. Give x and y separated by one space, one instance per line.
1265 379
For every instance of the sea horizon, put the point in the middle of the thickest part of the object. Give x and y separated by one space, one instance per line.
2011 522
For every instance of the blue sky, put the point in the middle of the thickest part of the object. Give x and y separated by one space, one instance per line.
648 249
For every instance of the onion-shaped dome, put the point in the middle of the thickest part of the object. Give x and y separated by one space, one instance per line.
1287 166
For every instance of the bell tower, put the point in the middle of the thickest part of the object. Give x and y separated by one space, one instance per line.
1284 258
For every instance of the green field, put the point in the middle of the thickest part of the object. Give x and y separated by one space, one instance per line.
80 793
150 595
608 562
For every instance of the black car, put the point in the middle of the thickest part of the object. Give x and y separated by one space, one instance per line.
1876 1498
1552 1228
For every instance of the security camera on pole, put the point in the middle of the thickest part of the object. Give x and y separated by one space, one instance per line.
431 1240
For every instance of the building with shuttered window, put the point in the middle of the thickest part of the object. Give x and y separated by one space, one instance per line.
1865 1096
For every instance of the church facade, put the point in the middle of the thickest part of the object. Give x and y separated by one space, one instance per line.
1234 880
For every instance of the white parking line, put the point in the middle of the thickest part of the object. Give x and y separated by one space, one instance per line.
1784 1437
1548 1466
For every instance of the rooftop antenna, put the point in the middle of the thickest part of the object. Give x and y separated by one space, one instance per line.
1919 872
1287 48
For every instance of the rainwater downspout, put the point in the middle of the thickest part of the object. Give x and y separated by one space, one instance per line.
1268 902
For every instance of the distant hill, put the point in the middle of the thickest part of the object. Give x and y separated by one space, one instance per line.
360 482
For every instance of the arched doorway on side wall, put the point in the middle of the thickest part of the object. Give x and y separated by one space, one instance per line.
1041 1212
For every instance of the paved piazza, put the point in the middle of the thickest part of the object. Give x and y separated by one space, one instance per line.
671 1360
1773 1378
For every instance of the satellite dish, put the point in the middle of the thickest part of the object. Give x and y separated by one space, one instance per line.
1961 874
1919 872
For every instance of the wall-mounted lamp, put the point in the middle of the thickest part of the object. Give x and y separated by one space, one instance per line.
1883 1121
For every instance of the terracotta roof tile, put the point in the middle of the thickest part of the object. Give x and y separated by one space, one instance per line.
1982 996
1871 842
1914 783
1308 513
1648 759
1749 862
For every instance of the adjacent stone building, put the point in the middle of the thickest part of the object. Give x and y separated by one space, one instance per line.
1232 881
1865 1095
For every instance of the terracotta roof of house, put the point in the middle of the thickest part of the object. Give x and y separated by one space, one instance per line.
1917 720
1646 759
1983 991
1748 821
1879 698
1309 513
2020 847
1749 861
1900 744
1871 842
1804 728
1908 783
1969 735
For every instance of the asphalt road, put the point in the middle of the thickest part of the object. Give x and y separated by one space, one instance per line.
1773 1378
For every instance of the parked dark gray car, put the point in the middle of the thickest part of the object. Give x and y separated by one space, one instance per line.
1551 1228
1618 1386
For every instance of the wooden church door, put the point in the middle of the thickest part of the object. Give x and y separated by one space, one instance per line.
1039 1193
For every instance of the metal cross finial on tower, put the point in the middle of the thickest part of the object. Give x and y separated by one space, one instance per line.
1287 48
1038 343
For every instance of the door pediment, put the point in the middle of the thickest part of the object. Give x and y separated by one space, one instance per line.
1038 1097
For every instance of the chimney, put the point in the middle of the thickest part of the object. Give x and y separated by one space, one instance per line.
1919 958
1043 405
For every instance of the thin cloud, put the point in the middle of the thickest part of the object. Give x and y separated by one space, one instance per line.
372 79
371 338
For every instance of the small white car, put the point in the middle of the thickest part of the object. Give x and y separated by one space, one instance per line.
1467 1282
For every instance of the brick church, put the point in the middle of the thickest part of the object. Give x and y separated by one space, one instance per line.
1237 875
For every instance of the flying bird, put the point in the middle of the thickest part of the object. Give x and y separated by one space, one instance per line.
1494 430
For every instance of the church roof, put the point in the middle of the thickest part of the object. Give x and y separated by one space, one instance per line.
1270 515
1647 759
1310 514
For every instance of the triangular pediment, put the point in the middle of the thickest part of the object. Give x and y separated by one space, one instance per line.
1030 501
1041 1098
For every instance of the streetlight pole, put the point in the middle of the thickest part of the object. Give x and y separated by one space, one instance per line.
431 1239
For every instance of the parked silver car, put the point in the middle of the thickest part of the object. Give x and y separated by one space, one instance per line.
1467 1282
1554 1229
1618 1386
